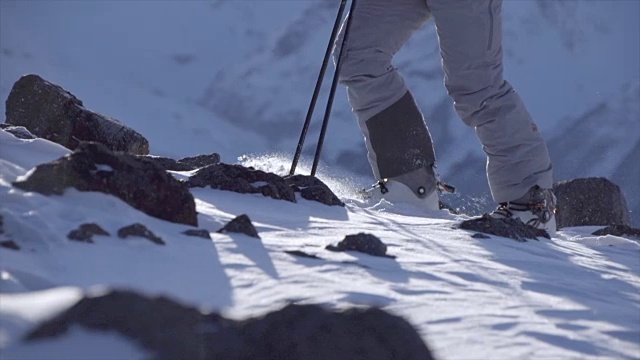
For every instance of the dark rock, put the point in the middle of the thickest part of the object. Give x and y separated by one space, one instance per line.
308 332
510 228
140 183
165 163
20 132
322 195
186 164
243 180
196 162
278 191
296 332
301 254
480 236
590 201
619 230
203 233
241 224
9 244
139 230
251 181
51 112
362 242
312 188
85 233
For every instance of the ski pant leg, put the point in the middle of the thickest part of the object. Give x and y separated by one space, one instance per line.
470 35
396 136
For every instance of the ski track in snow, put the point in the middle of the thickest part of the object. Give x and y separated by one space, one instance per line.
576 296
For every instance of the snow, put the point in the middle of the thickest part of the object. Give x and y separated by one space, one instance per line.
235 77
574 296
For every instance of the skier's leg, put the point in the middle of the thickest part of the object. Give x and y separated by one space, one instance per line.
398 142
470 35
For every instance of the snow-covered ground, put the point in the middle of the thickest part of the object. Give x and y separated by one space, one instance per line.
575 296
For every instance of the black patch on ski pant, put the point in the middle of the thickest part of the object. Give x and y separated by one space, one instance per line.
400 140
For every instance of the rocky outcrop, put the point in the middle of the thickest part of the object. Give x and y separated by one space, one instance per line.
184 164
170 330
509 228
246 180
139 183
242 180
51 112
139 230
590 201
312 188
85 232
241 224
362 242
619 230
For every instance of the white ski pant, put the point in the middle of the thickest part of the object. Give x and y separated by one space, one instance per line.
470 37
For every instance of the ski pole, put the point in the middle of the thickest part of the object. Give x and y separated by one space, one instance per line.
327 112
316 91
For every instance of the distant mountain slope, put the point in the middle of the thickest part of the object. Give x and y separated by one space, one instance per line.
605 141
